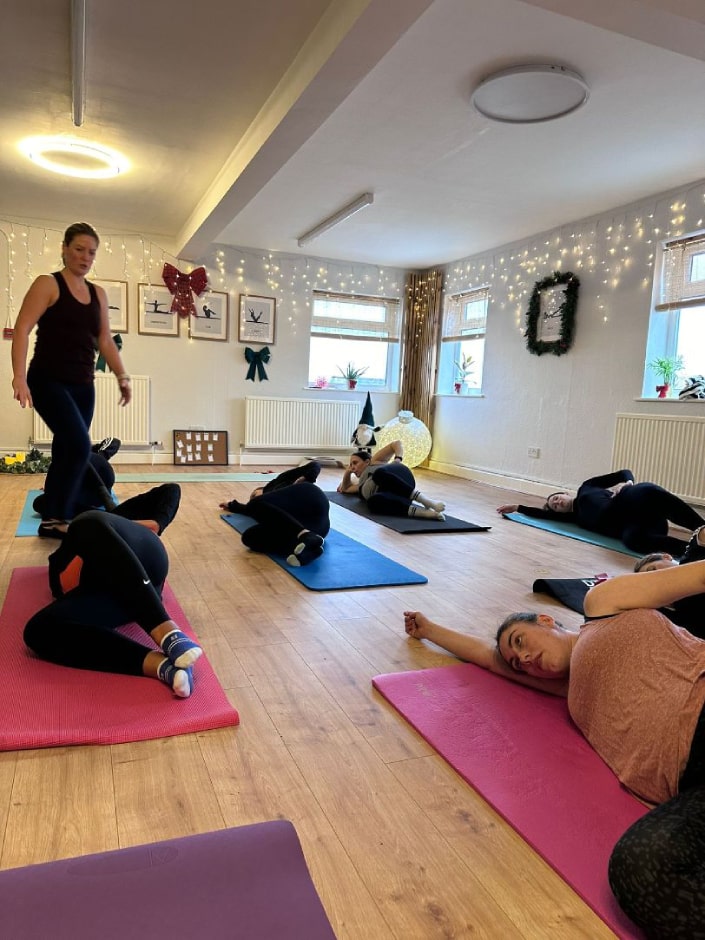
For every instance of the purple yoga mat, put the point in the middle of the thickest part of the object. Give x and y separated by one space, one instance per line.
250 883
519 749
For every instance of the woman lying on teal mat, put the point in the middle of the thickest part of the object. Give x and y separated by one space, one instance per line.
292 516
635 685
637 513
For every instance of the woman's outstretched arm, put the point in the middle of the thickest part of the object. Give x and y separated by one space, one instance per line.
476 650
649 589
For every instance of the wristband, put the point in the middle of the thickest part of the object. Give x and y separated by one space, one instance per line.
123 377
397 457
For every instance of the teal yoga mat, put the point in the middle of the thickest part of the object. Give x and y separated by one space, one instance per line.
572 532
29 520
202 477
344 564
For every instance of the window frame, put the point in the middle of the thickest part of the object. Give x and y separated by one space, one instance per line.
387 330
453 332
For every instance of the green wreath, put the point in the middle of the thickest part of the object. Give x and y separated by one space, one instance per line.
566 312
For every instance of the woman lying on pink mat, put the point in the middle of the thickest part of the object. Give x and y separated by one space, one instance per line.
109 571
635 685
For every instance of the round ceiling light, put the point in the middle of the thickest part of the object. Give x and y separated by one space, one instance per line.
72 157
528 94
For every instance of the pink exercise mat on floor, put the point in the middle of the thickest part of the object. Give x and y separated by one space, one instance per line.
44 705
519 749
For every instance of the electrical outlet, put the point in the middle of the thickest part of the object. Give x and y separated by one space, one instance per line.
534 452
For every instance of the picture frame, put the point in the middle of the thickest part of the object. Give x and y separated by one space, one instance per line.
116 292
212 317
154 314
550 322
257 319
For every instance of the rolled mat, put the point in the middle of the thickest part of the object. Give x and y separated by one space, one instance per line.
344 564
45 705
519 749
250 883
405 525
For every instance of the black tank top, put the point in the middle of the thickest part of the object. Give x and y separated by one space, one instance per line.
67 336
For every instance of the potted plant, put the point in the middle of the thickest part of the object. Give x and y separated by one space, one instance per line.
352 373
464 369
667 368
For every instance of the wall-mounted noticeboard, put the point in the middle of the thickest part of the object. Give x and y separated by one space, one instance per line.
194 448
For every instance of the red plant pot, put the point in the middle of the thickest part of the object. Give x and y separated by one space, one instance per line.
662 390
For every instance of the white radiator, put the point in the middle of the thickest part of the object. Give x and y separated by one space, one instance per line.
663 449
300 423
130 424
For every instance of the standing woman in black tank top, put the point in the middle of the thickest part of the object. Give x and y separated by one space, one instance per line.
71 317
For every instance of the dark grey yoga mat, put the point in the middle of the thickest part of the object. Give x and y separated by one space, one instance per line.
403 525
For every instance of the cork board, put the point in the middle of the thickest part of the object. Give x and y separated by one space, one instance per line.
195 448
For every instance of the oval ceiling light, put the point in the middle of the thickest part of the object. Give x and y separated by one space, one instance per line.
72 157
528 94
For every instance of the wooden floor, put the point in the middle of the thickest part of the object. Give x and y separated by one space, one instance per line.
397 844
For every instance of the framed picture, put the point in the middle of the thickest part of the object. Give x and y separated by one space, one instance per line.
117 304
155 316
211 320
257 319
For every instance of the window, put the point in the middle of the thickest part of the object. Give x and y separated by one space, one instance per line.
677 325
463 342
364 331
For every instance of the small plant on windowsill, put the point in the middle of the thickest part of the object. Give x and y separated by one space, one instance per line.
464 369
351 373
667 369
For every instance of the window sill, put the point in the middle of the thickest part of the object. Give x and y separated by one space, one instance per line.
670 401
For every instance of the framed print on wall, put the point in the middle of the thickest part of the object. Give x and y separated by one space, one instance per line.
116 292
211 319
257 319
155 317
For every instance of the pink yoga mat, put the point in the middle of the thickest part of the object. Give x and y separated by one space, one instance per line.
44 705
519 749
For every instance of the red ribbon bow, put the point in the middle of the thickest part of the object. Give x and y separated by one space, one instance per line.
181 286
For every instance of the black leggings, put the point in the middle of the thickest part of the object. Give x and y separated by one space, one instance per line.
123 573
645 510
395 487
657 869
68 412
281 514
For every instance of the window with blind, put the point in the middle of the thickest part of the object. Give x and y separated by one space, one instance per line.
359 330
677 324
462 354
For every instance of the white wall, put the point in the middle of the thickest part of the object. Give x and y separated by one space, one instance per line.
194 382
564 405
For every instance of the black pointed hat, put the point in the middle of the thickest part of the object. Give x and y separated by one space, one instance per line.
367 417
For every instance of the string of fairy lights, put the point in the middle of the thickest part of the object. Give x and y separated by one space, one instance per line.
604 250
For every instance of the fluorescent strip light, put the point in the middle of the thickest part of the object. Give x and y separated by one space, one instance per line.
340 216
78 60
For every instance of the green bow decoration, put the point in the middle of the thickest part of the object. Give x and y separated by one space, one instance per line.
257 361
101 363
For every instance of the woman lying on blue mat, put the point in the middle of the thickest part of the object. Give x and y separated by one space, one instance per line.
637 513
292 516
110 571
389 489
635 685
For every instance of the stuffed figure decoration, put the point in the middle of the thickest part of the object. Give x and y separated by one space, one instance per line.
694 387
364 434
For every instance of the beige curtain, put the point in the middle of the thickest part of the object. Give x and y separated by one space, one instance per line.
422 323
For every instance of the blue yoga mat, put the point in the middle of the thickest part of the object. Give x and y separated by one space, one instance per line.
197 477
29 520
344 564
572 531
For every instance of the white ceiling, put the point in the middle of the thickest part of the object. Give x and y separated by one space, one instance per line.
249 121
